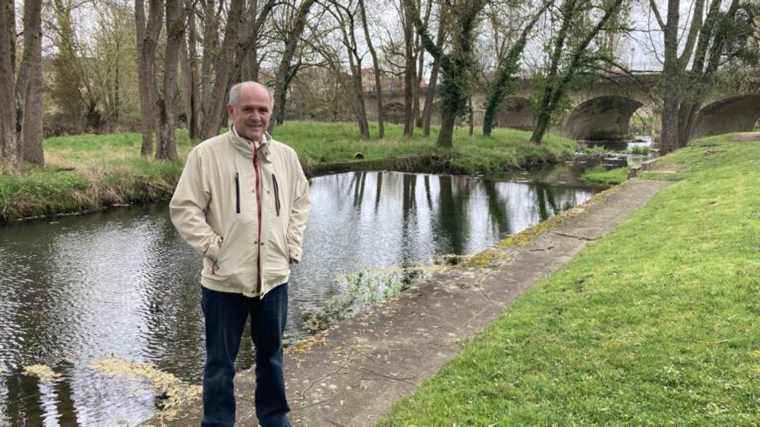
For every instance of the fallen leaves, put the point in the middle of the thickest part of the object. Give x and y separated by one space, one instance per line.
43 372
177 392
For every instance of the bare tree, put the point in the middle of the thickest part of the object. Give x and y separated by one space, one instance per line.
223 67
146 35
674 66
706 43
21 118
211 17
191 85
175 31
408 15
573 13
457 65
376 68
721 35
345 17
247 68
286 71
29 87
9 145
508 66
427 111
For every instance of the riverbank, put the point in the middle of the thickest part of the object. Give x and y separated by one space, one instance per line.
91 172
351 374
654 324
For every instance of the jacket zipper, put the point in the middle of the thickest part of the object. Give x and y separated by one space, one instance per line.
258 210
237 192
276 194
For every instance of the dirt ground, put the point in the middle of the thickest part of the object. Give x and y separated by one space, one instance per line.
353 373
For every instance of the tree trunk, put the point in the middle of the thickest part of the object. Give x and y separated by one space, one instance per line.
671 77
446 135
457 66
345 16
224 64
544 110
710 48
471 112
427 111
376 68
175 32
210 55
9 153
147 41
359 107
190 77
284 71
419 52
29 87
410 67
248 50
505 73
555 87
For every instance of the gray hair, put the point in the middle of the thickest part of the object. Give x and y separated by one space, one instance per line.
235 90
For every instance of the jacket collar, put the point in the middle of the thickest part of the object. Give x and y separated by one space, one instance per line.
245 146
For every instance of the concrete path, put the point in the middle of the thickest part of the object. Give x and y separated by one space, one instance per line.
354 373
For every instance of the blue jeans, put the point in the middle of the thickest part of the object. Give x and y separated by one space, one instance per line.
225 316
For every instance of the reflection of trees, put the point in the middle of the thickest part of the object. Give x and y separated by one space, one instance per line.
497 208
543 212
545 201
453 226
551 199
65 404
409 218
427 193
378 189
359 179
23 402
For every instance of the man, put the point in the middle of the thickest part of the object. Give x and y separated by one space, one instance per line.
242 201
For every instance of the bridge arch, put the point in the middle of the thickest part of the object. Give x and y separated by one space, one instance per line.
733 114
516 112
602 118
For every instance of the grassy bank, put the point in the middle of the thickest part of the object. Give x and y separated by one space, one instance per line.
655 324
88 172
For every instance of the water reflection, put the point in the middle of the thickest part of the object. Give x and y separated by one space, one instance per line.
122 284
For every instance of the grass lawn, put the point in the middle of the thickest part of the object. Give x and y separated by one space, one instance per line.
657 323
600 175
90 171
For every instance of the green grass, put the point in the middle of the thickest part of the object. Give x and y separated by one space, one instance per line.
319 143
600 175
655 324
86 172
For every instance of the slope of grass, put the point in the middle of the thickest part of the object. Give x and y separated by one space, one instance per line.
655 324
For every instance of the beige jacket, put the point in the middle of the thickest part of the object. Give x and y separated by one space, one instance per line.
215 209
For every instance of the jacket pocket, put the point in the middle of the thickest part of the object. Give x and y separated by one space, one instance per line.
276 194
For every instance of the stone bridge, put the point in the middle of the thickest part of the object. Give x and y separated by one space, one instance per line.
602 108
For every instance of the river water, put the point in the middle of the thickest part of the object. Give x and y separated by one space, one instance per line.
123 284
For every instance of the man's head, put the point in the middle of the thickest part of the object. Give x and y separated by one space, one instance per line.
250 107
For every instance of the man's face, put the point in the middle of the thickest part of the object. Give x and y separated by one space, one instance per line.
250 115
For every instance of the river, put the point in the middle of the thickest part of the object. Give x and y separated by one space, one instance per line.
122 284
